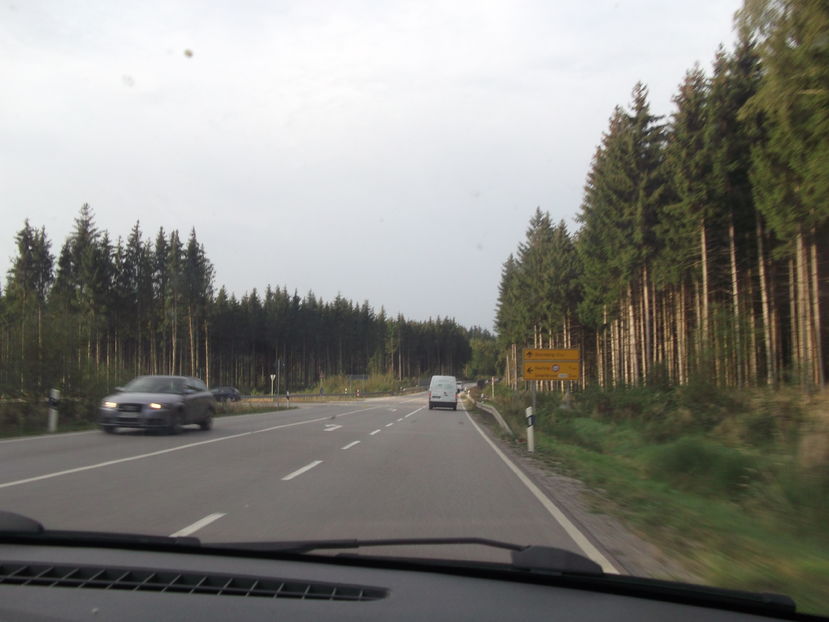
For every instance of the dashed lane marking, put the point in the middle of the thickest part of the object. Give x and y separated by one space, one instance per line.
304 469
204 522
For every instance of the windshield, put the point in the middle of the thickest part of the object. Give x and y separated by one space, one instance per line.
160 384
264 201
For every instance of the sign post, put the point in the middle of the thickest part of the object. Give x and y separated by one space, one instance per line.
273 377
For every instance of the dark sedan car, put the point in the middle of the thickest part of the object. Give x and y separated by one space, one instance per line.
226 394
158 402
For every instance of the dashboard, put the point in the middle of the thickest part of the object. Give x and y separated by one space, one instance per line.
47 582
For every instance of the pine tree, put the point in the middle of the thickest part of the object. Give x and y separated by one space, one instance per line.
789 174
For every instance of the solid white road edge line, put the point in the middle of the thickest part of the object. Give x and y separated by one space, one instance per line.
191 529
298 472
160 452
575 534
350 445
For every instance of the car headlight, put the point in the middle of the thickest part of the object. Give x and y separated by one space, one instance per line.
110 404
156 406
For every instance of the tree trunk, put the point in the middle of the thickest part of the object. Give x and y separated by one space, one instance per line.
632 342
192 340
735 304
704 316
610 344
816 321
206 353
766 309
753 355
803 316
174 342
647 342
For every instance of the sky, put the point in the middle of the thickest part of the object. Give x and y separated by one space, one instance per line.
386 151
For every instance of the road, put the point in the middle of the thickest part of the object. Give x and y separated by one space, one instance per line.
377 468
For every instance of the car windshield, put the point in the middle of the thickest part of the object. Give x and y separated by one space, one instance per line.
600 227
150 384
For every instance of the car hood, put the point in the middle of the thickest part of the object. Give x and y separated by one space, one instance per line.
143 398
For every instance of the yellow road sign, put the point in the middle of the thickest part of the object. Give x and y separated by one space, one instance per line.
548 370
535 354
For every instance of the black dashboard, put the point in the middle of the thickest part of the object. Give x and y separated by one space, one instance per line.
49 582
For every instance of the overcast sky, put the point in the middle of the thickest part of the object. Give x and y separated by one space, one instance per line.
388 151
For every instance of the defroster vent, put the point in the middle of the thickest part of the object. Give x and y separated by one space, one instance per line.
186 582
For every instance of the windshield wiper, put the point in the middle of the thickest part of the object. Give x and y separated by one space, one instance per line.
19 528
535 558
546 564
538 558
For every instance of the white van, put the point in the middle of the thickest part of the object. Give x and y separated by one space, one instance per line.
443 392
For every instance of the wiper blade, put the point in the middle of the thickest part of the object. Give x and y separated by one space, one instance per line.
306 546
17 527
542 562
532 558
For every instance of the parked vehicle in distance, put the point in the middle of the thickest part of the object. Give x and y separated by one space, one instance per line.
226 394
443 392
159 403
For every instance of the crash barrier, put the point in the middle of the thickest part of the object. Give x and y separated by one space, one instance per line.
494 412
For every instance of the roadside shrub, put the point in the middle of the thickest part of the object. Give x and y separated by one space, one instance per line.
758 428
624 403
699 465
669 425
580 431
709 403
18 416
548 402
598 436
807 492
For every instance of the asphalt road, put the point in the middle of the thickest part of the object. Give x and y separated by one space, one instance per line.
377 468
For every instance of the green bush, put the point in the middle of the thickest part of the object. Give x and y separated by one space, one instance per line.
581 431
709 403
702 466
597 436
806 492
625 403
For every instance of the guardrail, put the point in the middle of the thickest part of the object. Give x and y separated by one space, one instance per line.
498 417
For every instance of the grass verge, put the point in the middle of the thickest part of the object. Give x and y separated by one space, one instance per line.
736 488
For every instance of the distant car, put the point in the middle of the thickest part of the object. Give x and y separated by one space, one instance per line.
226 394
160 403
443 392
